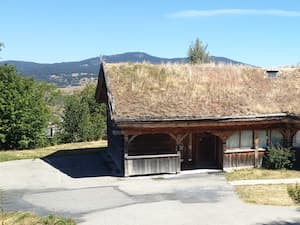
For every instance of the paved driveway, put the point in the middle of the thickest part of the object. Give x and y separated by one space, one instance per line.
45 187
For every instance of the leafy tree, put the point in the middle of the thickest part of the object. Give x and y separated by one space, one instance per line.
198 53
1 47
23 112
54 100
75 120
97 112
84 119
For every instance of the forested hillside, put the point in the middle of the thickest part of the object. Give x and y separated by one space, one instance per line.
76 73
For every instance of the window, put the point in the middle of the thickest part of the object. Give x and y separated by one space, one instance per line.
296 139
245 139
269 138
276 137
233 141
241 139
262 136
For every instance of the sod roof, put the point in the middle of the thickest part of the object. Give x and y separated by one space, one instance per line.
144 90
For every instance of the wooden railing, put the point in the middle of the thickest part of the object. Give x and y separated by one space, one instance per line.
242 158
152 164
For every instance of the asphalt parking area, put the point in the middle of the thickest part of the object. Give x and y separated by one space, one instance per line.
40 186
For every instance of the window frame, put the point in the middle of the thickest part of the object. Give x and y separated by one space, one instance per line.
268 140
296 144
240 140
269 137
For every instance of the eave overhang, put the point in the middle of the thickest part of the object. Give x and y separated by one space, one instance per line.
203 121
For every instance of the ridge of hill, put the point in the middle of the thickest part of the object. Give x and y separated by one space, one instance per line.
75 73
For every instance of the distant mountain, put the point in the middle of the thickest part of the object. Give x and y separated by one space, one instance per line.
75 73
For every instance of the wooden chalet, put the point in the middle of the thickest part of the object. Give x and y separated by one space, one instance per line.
169 118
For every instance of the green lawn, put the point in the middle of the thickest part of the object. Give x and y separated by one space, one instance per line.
42 152
27 218
250 174
271 194
275 194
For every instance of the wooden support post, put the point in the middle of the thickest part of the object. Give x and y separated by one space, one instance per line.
179 160
256 147
286 133
289 137
126 143
190 148
292 135
179 147
225 163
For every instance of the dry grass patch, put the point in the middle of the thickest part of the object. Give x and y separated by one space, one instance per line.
7 155
26 218
177 90
253 174
265 194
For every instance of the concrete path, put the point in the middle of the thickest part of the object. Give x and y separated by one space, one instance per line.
265 181
205 199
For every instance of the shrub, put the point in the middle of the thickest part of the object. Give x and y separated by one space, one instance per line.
55 140
294 192
278 157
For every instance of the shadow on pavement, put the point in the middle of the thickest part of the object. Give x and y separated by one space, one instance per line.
79 163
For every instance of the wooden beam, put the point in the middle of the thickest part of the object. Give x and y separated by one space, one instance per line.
117 132
173 136
182 124
178 138
218 131
183 137
132 138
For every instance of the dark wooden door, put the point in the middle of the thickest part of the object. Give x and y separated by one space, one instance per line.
205 151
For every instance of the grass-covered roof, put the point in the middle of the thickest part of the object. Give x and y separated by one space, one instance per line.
182 90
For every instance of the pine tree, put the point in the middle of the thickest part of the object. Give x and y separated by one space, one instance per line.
198 53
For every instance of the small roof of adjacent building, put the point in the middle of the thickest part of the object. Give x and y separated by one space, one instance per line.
144 91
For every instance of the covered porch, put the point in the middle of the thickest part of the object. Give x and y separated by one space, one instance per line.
170 147
156 153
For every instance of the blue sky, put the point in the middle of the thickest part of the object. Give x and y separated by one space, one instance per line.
259 32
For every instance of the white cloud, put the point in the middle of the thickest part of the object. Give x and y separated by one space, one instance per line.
242 12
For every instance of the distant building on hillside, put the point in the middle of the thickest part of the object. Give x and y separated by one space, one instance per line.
272 73
52 130
168 118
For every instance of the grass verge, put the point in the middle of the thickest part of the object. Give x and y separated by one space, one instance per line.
252 174
275 194
8 155
27 218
